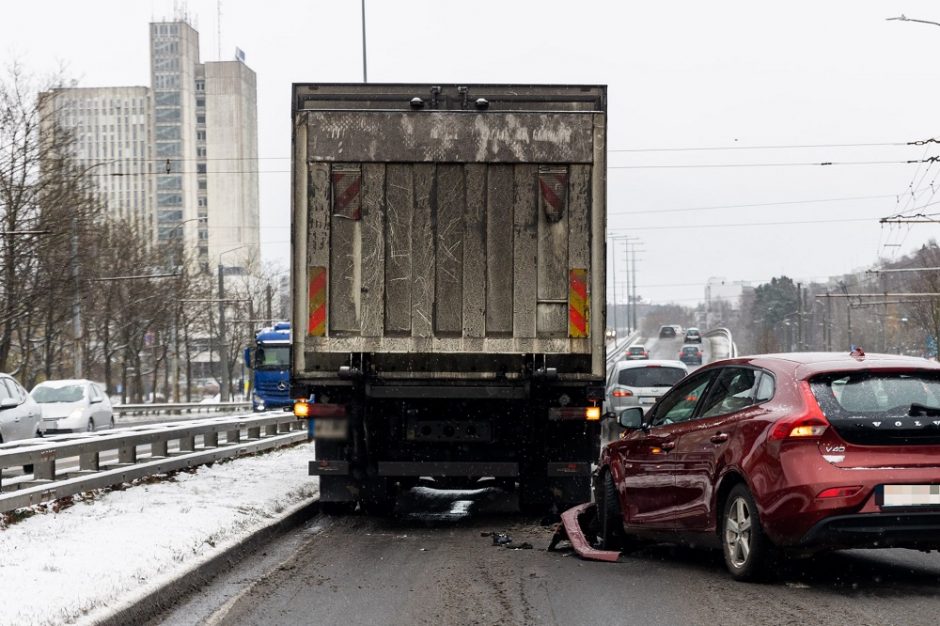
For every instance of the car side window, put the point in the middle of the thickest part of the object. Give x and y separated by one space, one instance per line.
12 391
735 388
766 387
679 404
4 392
94 392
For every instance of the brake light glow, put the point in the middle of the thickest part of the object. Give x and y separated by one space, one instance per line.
589 413
301 409
810 424
622 393
839 492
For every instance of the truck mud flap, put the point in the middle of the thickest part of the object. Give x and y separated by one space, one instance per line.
474 469
328 468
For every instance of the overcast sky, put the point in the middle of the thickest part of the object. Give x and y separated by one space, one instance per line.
681 74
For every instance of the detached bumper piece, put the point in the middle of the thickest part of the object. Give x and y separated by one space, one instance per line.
571 530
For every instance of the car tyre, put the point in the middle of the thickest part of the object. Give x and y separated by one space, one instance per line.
747 550
111 423
609 516
90 427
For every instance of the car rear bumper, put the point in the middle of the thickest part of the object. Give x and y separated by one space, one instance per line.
918 530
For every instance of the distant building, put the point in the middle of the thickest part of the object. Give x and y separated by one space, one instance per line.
723 297
110 129
186 147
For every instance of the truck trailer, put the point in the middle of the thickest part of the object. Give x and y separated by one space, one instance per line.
448 282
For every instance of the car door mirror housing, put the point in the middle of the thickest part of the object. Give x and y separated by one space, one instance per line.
632 418
8 403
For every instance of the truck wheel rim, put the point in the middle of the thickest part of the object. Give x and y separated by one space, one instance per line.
738 532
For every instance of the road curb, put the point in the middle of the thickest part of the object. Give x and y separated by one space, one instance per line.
145 609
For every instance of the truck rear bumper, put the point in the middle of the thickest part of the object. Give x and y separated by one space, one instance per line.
448 468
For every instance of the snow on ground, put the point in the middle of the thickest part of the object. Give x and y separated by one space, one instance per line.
58 567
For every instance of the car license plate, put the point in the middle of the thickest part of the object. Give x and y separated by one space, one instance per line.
324 428
647 400
910 495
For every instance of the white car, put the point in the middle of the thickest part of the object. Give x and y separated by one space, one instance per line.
638 383
20 416
73 405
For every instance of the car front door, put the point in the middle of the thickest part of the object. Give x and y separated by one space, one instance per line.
17 421
646 460
703 446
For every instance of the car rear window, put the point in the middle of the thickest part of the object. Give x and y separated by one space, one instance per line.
68 393
636 351
888 408
650 376
690 350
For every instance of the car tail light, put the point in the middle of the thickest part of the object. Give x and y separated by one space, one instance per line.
839 492
812 423
621 393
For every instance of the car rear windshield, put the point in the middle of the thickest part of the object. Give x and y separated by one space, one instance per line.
650 376
68 393
690 350
882 408
636 350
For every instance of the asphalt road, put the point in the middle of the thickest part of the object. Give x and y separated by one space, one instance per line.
431 565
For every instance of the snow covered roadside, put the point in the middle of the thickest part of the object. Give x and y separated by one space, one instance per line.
60 567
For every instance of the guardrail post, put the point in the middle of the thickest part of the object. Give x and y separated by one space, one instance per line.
270 430
254 432
88 461
159 449
127 454
188 443
45 468
210 440
233 436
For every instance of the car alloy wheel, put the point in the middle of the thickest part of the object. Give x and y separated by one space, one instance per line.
738 532
747 550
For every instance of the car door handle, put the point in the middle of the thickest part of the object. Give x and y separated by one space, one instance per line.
667 445
719 438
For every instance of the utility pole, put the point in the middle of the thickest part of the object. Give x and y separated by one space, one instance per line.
828 323
613 270
223 349
268 296
799 317
633 284
365 72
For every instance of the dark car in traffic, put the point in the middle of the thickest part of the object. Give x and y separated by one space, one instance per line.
771 455
693 335
691 355
667 332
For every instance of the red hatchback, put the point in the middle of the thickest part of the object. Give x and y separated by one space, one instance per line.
771 454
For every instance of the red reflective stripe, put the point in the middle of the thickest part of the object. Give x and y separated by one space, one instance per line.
549 195
316 324
576 319
348 195
578 286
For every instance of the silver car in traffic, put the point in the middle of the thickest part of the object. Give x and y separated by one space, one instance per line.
73 405
19 414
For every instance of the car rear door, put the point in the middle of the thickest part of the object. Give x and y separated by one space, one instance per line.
702 446
646 459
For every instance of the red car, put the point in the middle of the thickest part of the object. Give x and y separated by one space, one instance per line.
790 453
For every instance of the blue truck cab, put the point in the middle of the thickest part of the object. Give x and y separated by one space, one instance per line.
269 361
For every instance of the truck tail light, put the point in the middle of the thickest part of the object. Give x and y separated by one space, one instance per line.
622 393
810 424
304 409
301 409
566 413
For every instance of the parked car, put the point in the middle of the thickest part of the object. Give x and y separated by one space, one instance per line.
691 355
693 335
73 405
667 332
636 353
20 416
638 383
769 455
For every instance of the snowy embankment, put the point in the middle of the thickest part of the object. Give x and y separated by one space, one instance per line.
115 546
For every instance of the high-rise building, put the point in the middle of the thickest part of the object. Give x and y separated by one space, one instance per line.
185 149
110 138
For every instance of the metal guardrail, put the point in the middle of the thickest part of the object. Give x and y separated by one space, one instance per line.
178 408
725 349
614 353
64 465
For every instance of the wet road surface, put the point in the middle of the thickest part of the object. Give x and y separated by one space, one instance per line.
431 564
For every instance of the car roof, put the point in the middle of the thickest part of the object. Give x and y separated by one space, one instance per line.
693 346
63 382
628 365
637 345
692 329
803 365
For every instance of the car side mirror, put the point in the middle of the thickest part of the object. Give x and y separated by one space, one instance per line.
8 403
632 418
95 400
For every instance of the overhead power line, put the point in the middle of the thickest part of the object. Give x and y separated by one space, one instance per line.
753 205
790 164
774 147
753 224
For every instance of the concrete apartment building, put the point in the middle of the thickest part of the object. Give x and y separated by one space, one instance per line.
186 148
